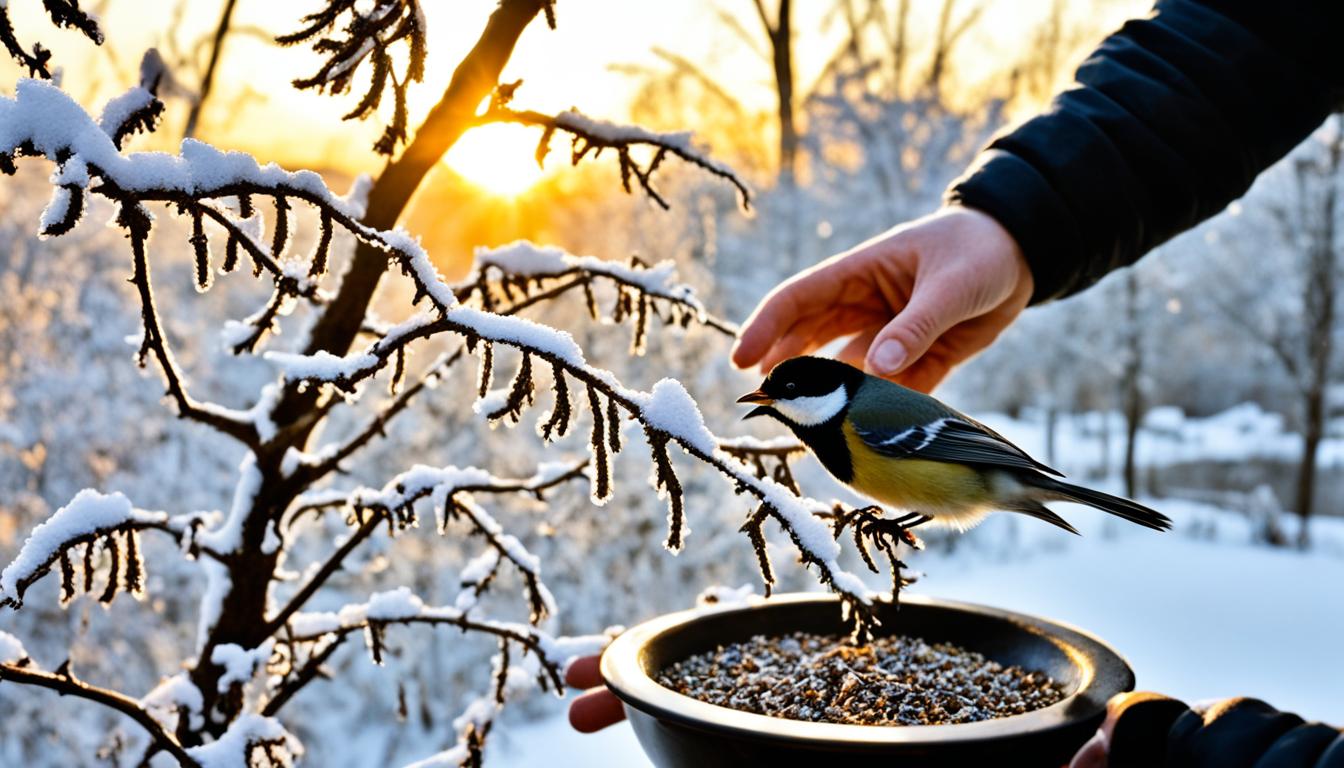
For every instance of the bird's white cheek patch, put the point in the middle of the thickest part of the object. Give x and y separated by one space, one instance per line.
811 411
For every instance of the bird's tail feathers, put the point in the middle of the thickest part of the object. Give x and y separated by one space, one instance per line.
1038 510
1120 507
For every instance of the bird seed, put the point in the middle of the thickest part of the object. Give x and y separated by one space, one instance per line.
890 681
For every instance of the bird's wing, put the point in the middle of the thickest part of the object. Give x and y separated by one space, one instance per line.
954 439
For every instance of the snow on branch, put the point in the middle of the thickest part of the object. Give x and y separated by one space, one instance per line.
211 187
250 740
401 606
450 490
347 34
668 415
593 136
511 274
94 527
62 13
137 110
64 682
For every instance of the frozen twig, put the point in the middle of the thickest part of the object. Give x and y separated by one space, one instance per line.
64 682
590 135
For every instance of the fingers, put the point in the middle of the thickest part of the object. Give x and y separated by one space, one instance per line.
856 349
932 310
795 301
1092 754
804 338
772 318
597 707
584 672
594 710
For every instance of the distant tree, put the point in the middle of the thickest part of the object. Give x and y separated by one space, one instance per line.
1288 234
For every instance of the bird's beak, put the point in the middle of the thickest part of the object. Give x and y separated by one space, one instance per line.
762 402
756 398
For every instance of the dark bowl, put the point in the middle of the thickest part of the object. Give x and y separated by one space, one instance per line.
677 731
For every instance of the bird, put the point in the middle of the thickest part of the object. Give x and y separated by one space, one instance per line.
908 450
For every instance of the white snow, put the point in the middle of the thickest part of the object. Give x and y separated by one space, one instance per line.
519 330
53 122
11 650
119 108
232 749
57 209
612 132
669 408
217 586
228 537
321 365
357 198
527 259
240 665
173 697
399 603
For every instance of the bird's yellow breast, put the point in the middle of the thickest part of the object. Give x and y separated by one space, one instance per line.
931 487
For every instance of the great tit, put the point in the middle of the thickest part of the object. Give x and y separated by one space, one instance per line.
905 449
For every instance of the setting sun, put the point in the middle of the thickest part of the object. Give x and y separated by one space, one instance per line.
501 159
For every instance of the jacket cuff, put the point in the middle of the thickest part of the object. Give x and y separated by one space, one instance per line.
1016 195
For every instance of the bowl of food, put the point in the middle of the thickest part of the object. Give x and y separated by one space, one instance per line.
942 683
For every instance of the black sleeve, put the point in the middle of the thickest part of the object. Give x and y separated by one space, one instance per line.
1172 118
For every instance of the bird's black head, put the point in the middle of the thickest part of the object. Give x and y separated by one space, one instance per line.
805 391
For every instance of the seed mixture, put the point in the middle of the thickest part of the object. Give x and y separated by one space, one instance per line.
890 681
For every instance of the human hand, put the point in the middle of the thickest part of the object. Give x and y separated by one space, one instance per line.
595 708
1133 733
918 300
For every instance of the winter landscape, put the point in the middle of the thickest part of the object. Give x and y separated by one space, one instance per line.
363 364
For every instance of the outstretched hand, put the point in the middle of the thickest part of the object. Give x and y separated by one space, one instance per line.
595 708
917 300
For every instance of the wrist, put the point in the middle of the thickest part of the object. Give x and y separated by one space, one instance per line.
999 242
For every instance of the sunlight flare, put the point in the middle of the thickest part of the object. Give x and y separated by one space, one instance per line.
500 159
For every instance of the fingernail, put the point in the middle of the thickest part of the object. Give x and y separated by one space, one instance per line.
889 357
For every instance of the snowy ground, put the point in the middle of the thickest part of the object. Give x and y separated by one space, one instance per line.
1199 613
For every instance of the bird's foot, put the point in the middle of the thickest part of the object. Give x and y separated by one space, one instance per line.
899 528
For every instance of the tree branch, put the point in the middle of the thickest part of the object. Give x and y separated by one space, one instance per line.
383 513
65 683
594 136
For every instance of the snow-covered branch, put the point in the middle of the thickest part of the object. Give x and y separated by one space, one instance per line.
450 489
544 657
104 526
590 135
63 681
667 413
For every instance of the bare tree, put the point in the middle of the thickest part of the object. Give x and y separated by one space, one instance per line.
1296 330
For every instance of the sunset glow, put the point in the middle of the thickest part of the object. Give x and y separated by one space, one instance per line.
499 159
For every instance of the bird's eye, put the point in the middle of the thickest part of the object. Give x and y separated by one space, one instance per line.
791 386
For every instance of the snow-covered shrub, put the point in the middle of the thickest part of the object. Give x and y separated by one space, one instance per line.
266 625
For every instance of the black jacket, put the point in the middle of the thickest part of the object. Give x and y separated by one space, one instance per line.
1172 118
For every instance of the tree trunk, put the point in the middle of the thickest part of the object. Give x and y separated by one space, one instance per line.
1306 470
781 48
1319 305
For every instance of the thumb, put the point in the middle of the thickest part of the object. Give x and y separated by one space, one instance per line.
915 328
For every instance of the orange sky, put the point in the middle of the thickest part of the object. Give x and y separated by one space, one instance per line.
562 68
